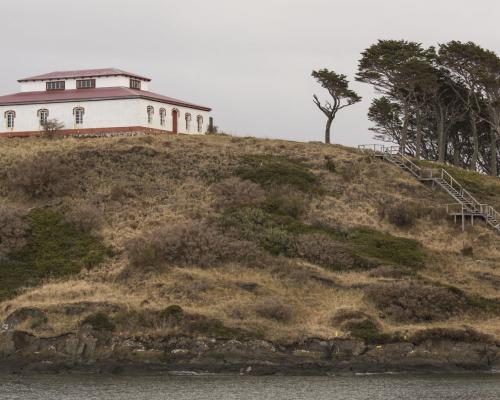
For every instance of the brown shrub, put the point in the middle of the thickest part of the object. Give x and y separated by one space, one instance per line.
235 192
392 272
13 229
83 216
347 314
44 175
467 335
189 243
273 308
402 215
405 214
416 302
321 249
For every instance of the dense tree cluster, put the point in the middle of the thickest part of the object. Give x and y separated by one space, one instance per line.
440 103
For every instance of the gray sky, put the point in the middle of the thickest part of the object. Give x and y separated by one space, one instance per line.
249 60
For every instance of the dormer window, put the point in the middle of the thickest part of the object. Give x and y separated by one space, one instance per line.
85 83
135 84
56 85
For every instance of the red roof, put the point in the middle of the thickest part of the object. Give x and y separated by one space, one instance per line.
84 73
74 95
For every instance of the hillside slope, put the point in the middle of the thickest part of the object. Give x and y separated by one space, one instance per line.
154 238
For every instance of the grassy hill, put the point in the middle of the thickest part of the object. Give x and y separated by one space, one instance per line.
236 237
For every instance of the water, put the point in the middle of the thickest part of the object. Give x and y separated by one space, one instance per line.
372 387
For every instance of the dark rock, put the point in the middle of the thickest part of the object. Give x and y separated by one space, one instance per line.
22 314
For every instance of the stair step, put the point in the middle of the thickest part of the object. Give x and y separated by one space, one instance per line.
468 207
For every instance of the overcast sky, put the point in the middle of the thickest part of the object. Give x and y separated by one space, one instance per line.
249 60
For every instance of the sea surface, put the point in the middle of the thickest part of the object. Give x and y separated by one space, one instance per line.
207 387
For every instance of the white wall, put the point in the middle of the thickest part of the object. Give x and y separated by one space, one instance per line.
181 125
102 114
103 81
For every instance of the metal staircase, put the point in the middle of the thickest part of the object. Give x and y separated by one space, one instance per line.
466 204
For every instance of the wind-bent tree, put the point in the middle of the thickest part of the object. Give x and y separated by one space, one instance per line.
462 62
338 87
385 65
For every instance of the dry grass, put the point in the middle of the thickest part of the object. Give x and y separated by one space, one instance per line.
139 185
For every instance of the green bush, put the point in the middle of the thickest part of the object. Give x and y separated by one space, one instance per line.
53 249
325 250
172 312
387 248
276 171
99 322
368 331
276 241
285 203
330 165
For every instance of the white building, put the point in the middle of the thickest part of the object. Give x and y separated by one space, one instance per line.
96 102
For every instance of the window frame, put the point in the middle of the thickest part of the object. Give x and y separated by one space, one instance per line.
78 112
58 85
82 83
40 113
163 115
135 84
150 110
199 121
187 117
10 119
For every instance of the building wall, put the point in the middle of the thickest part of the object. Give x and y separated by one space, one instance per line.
101 114
103 81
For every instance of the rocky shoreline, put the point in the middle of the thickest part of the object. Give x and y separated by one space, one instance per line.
87 350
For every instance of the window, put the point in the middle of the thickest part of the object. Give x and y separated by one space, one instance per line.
163 114
188 122
10 116
85 83
78 113
56 85
135 84
199 120
150 110
43 115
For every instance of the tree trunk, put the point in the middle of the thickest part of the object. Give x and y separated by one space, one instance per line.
327 130
493 144
441 137
418 142
494 133
456 154
475 142
404 132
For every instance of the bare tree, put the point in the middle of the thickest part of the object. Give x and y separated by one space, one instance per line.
50 128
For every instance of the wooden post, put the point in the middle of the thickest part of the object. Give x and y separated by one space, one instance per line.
463 219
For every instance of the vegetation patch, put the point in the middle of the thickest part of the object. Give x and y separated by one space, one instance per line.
387 248
274 309
188 243
99 322
368 331
409 301
54 249
269 171
467 335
